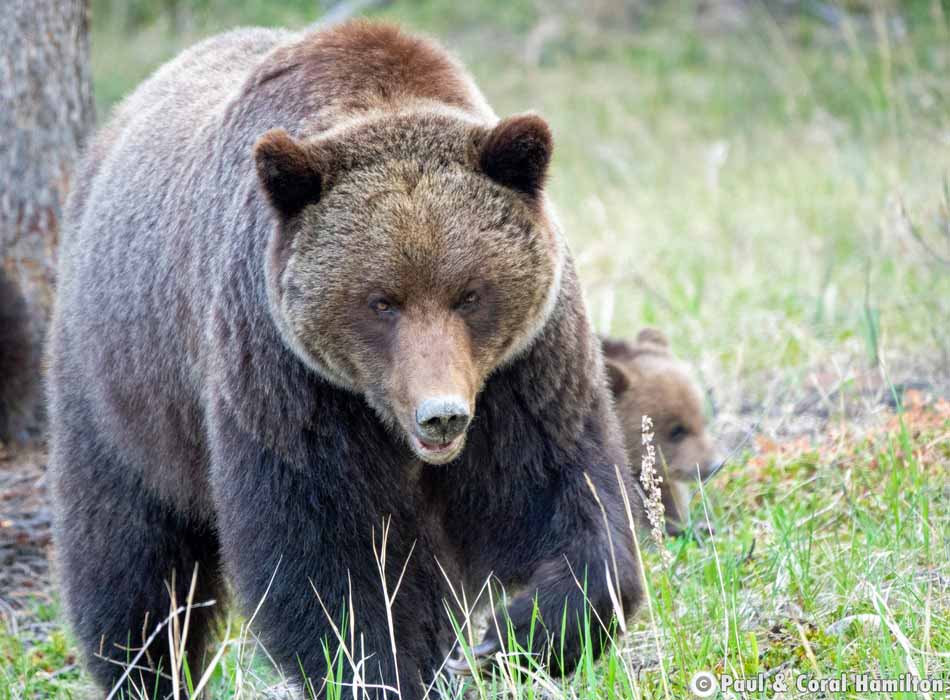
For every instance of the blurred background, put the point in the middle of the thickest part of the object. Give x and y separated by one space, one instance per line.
767 181
764 180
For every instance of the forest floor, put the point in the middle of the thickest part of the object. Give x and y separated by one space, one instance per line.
773 193
25 541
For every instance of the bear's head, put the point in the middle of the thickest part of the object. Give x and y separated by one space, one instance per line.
412 256
646 379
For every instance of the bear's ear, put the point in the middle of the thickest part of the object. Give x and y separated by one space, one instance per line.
616 349
652 336
288 170
617 380
516 153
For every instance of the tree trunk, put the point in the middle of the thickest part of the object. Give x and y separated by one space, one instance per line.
46 111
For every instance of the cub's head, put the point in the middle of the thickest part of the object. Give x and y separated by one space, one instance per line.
646 379
411 256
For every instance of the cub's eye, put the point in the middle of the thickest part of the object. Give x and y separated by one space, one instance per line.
468 301
384 307
678 432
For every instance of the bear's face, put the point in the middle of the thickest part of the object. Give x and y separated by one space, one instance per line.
415 259
646 379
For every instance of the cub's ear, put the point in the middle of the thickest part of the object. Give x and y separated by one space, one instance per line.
617 349
516 153
617 380
288 170
653 336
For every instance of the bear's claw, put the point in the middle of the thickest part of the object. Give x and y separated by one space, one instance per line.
481 655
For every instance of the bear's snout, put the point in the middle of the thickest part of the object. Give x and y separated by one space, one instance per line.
442 418
441 422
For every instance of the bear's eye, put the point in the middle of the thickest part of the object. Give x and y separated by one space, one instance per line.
384 307
678 432
468 301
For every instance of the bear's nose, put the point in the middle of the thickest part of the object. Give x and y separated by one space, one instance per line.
442 418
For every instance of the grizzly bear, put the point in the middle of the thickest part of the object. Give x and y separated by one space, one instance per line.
313 301
647 380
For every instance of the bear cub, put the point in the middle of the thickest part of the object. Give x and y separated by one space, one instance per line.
647 379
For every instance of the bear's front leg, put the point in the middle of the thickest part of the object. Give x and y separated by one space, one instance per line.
562 539
580 557
302 539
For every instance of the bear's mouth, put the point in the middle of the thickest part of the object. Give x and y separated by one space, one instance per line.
437 452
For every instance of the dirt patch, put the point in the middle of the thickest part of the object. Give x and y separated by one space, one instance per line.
783 411
25 539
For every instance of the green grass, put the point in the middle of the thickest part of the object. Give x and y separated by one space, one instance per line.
771 196
829 557
44 670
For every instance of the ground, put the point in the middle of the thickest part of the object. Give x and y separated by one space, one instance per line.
773 191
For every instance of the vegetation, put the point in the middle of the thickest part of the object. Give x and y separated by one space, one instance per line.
772 189
829 557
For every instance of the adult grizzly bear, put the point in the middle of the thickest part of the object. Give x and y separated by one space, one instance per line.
299 269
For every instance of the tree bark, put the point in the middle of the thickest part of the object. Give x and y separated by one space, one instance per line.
46 112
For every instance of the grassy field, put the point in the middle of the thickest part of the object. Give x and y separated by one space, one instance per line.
830 557
774 193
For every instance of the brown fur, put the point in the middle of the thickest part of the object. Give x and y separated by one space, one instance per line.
517 153
646 379
360 64
418 222
282 244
